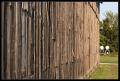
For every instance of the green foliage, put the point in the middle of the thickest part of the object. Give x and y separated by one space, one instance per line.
109 33
103 40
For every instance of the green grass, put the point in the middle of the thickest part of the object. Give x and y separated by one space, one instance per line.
109 59
105 72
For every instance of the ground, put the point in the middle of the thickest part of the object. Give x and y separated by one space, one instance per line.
108 68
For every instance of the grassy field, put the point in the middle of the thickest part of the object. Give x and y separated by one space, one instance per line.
106 71
109 59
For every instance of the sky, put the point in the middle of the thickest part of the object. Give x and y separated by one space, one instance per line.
106 6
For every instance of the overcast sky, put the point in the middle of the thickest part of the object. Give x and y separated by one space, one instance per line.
106 6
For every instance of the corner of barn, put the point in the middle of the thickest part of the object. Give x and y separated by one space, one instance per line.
49 40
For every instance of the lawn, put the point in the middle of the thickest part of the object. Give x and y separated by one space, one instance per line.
106 71
109 59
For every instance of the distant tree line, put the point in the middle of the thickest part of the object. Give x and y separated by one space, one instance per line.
109 31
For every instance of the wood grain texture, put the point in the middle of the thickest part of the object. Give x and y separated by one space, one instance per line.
49 40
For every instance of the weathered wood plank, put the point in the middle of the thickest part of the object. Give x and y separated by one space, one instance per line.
24 62
32 34
26 34
30 39
51 32
2 40
19 42
8 39
39 8
16 38
37 42
12 42
5 41
49 40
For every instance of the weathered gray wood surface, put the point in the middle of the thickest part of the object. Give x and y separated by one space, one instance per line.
49 40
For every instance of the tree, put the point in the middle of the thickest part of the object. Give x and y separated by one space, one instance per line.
109 33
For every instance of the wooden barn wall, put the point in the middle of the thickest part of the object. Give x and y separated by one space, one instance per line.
49 40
